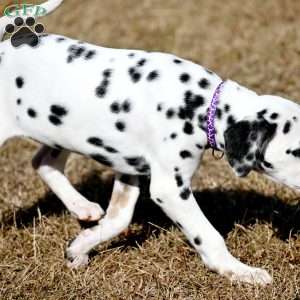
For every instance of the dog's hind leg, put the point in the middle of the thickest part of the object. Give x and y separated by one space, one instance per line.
118 216
175 197
50 164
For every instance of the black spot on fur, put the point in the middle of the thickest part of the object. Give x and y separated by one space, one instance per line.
31 113
55 120
58 110
179 180
19 101
177 61
227 108
75 52
173 136
261 113
185 154
120 126
176 169
197 101
60 39
131 55
134 75
107 73
188 96
295 152
110 149
152 75
134 161
188 128
102 159
95 141
197 241
126 106
159 201
139 163
204 83
274 116
287 127
202 118
185 77
105 83
115 107
199 146
192 102
230 120
182 113
170 113
90 54
159 108
19 82
102 89
185 194
142 62
219 113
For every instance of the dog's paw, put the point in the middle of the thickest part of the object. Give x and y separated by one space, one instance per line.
227 265
77 250
244 273
24 32
87 211
78 261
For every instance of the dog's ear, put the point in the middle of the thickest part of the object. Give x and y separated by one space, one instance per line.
245 144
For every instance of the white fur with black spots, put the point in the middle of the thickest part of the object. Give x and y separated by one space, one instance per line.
141 113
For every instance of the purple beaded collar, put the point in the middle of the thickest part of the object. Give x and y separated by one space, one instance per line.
211 114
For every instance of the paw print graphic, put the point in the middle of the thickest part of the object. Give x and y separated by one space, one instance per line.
24 32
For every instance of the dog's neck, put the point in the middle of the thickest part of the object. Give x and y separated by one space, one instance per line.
235 103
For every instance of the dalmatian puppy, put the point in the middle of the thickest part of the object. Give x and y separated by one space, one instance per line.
142 114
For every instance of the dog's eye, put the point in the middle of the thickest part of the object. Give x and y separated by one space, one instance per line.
267 165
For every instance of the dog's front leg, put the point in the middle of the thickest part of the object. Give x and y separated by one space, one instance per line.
50 165
118 216
178 202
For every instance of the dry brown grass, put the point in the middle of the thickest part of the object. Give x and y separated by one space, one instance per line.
254 42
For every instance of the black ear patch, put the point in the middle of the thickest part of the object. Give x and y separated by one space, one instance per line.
246 143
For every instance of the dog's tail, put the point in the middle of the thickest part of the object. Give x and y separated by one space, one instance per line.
47 7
